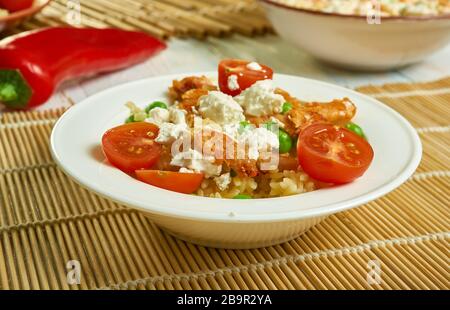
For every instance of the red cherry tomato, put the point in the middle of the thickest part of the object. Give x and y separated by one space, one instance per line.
131 146
186 183
245 77
16 5
333 154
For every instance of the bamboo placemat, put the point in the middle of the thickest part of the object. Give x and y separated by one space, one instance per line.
46 220
162 18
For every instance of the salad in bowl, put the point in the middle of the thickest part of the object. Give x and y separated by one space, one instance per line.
239 138
235 159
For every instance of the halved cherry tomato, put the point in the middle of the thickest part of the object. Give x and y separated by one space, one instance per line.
131 146
186 183
333 154
245 76
15 5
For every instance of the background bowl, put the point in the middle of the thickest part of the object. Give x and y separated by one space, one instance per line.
351 42
17 18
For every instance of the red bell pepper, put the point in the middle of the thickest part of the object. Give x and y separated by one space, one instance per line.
34 64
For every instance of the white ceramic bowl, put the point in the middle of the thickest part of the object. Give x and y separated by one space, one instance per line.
229 223
351 42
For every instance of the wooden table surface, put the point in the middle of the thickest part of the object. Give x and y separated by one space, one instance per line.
191 55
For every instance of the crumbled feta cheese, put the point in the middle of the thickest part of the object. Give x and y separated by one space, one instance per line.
233 83
254 66
383 7
260 99
185 170
258 140
220 108
223 181
231 130
158 116
177 116
194 160
169 132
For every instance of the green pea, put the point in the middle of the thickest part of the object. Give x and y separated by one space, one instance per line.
130 119
156 104
287 106
242 196
285 142
356 129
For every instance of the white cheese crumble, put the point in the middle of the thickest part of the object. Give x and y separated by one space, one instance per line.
158 116
177 116
220 108
232 130
195 161
169 132
233 83
386 7
172 124
254 66
260 99
223 181
259 140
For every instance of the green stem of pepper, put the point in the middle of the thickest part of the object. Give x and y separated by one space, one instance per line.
14 90
7 92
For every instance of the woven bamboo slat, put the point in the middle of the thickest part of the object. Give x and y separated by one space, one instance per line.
161 18
46 220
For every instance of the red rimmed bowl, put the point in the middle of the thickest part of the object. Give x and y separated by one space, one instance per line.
17 18
351 42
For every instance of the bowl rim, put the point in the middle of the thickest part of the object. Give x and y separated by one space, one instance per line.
353 16
27 12
224 217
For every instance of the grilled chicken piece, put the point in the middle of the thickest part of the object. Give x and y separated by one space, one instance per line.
211 139
180 87
190 99
338 112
